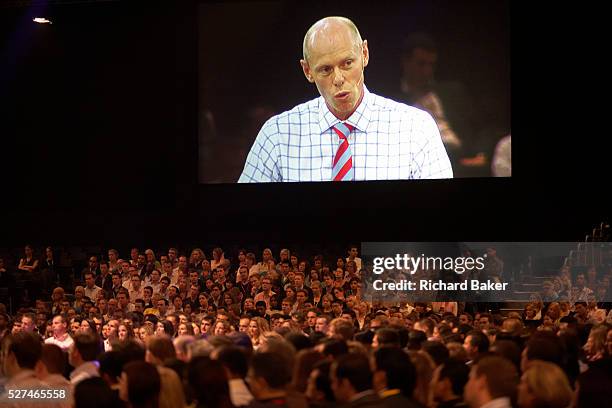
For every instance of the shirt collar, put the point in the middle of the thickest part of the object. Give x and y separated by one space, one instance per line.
359 119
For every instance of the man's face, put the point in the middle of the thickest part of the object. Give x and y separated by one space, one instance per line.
484 323
419 67
312 319
265 285
27 324
103 269
353 252
155 276
321 325
580 280
244 325
161 306
89 280
59 327
286 307
335 65
93 262
299 281
301 297
135 282
244 275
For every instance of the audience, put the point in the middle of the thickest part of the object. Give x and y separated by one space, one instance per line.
247 333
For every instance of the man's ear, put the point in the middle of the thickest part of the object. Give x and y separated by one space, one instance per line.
307 71
365 53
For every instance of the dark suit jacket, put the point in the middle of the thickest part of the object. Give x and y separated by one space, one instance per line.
400 401
367 401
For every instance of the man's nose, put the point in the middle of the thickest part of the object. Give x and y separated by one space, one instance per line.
338 77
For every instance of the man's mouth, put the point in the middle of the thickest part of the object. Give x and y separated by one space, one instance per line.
342 95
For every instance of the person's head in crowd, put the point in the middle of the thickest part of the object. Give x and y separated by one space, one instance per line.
113 327
425 367
512 326
341 328
393 370
159 349
221 328
52 362
86 348
60 326
416 338
95 393
88 326
385 337
257 327
426 326
20 351
509 350
234 359
208 382
544 385
28 322
593 385
318 390
322 324
305 360
243 324
449 380
206 324
268 375
181 346
595 346
475 344
438 351
491 378
140 385
544 346
260 307
286 306
350 375
174 320
485 321
125 331
164 327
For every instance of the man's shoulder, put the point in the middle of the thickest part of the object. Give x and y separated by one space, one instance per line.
305 108
381 103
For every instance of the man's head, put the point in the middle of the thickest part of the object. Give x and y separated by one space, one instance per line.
89 280
268 372
334 60
60 326
350 375
492 377
419 59
394 370
28 322
449 380
86 347
476 342
20 351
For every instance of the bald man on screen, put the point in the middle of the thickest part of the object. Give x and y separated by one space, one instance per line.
348 133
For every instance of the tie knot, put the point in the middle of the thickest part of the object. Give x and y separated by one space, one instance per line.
343 129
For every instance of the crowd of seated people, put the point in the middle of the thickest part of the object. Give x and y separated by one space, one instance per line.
188 330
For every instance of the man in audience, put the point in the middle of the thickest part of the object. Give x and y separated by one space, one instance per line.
60 338
351 381
268 377
492 383
448 382
82 356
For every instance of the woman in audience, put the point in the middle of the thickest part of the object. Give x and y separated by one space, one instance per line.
257 327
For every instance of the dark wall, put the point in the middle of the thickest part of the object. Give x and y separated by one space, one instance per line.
95 104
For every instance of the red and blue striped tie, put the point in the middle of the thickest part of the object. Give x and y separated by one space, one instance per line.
342 169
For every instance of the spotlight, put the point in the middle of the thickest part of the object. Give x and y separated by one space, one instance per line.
41 20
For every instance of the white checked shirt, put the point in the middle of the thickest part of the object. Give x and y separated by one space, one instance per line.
390 141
